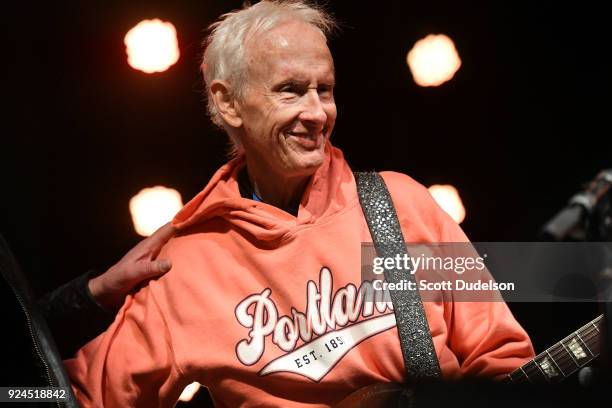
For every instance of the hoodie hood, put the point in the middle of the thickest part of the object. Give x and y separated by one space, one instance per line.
329 190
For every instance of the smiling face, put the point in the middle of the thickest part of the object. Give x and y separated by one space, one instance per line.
287 109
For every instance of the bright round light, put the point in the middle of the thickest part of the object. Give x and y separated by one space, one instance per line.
189 392
153 207
152 46
448 199
433 60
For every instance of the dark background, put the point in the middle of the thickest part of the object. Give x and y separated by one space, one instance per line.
520 128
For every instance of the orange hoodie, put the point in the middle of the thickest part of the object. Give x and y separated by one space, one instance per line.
267 309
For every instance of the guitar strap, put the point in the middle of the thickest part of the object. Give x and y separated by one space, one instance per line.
417 345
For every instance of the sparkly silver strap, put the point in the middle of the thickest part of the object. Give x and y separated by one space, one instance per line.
415 338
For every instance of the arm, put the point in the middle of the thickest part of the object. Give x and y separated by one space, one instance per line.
487 340
133 363
89 304
484 336
71 309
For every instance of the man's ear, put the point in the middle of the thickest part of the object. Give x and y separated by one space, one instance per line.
225 102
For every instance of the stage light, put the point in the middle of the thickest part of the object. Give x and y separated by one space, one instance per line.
153 207
448 199
152 46
189 392
433 60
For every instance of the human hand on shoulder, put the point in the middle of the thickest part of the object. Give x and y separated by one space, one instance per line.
139 264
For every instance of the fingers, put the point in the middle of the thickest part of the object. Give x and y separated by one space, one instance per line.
159 267
144 270
162 235
121 280
158 239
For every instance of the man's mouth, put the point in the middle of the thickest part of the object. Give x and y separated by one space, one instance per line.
308 140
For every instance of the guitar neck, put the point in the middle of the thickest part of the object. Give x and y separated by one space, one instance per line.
564 358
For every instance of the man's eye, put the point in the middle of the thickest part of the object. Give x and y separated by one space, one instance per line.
326 91
290 89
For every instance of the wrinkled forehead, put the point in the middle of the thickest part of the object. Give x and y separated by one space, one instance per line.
288 48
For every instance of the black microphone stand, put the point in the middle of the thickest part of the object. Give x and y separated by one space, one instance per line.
588 217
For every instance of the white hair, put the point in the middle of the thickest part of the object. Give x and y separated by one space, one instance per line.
224 55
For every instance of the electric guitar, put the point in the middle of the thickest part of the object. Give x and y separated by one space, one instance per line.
552 366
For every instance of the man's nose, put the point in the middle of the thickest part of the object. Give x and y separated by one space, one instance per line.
313 111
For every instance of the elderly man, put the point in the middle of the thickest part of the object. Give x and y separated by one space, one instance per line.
265 285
